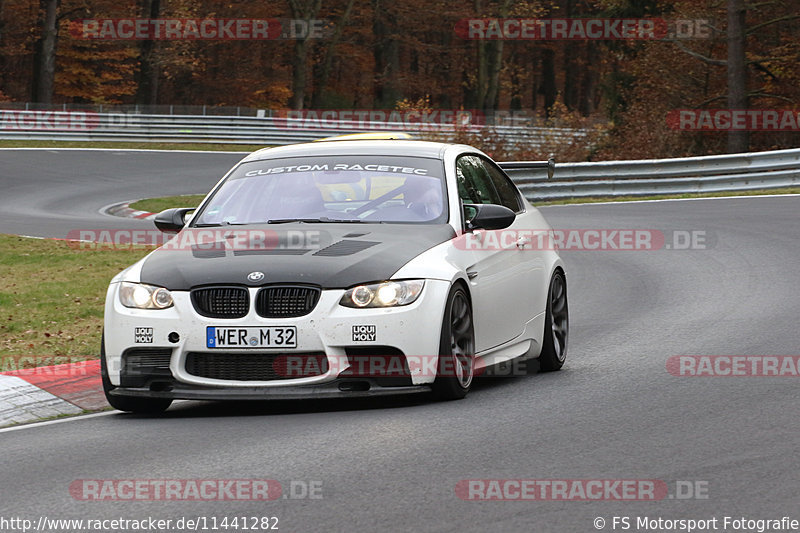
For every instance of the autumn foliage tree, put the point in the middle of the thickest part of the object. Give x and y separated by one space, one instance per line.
377 53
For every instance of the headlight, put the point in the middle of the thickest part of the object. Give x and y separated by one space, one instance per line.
141 296
387 294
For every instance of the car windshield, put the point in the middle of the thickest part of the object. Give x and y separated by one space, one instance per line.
365 189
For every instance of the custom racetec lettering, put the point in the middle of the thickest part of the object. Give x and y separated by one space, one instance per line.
339 167
325 169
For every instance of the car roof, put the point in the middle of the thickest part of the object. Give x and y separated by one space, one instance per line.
370 147
374 135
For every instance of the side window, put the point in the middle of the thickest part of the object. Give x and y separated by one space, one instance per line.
509 195
474 182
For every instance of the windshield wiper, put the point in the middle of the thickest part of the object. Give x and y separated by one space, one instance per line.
219 224
321 220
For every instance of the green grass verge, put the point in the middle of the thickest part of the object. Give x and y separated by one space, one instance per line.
201 147
758 192
52 296
155 205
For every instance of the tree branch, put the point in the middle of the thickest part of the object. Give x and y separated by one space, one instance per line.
83 10
705 103
701 57
759 94
773 21
762 4
759 66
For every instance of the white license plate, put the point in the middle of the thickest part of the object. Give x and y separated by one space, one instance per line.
264 337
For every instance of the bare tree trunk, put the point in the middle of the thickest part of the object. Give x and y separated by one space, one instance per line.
2 59
495 64
490 64
515 104
738 141
45 62
571 81
481 75
586 103
301 9
536 77
324 71
299 75
386 52
2 24
147 77
548 85
446 73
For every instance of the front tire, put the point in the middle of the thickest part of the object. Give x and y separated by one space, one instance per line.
123 403
456 348
556 325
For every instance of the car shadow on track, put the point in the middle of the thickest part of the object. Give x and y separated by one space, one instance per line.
238 408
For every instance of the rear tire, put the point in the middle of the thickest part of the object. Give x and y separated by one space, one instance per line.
456 366
556 325
124 403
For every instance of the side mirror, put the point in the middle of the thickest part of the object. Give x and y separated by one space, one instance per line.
488 216
172 220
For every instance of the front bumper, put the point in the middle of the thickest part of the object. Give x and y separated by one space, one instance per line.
338 388
329 331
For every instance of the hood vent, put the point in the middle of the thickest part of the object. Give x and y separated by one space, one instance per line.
345 247
273 251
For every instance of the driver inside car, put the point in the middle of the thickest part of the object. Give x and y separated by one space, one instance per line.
423 196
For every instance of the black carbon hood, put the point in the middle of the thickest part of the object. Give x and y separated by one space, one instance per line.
332 256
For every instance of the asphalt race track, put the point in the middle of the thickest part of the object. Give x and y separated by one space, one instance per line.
47 193
613 412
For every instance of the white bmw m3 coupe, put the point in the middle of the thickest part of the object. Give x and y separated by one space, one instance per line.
335 269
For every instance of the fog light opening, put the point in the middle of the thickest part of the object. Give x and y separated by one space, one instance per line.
160 386
354 386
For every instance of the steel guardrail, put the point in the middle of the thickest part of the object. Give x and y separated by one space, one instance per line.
735 172
90 126
538 180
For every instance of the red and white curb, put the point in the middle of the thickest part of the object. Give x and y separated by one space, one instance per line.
32 394
124 210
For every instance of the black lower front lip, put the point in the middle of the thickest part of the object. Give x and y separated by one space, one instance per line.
340 388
